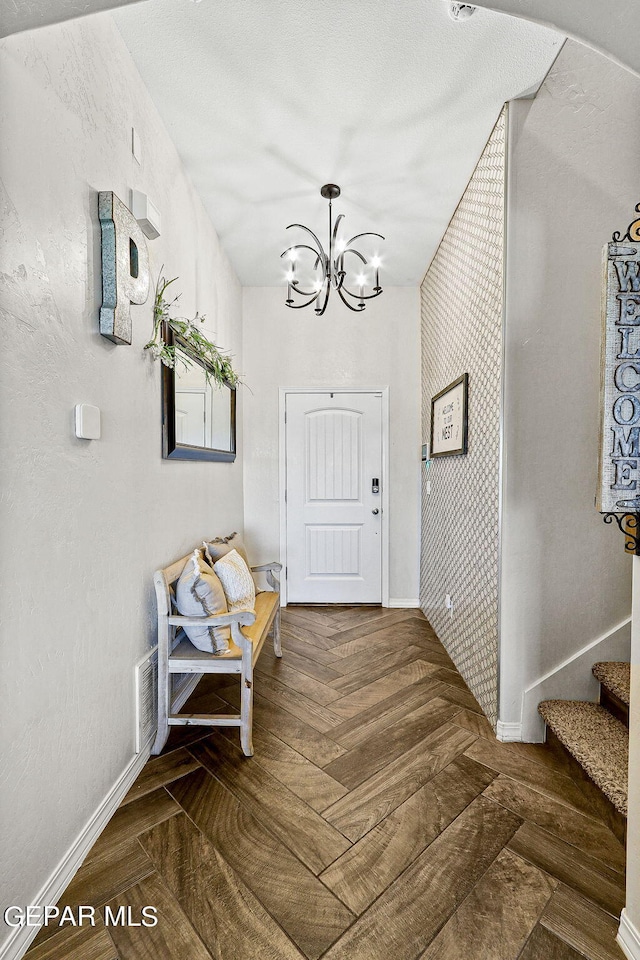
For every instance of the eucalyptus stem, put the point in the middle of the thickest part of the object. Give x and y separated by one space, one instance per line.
217 365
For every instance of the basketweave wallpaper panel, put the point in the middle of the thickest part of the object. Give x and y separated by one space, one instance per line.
462 308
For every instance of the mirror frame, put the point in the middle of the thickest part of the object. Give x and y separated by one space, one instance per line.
171 450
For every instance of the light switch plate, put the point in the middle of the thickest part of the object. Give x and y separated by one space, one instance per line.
87 421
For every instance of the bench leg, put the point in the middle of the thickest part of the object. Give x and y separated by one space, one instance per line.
161 737
164 698
277 646
246 705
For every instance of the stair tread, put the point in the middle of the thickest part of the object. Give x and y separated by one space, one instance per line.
598 741
615 676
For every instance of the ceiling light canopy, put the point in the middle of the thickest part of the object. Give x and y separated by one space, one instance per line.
310 266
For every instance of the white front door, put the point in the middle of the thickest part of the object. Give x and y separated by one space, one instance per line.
334 511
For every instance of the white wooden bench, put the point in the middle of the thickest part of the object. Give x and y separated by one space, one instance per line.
177 656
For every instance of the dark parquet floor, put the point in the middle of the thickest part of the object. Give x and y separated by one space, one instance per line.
378 820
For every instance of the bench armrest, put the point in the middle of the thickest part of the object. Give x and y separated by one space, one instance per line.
244 618
271 570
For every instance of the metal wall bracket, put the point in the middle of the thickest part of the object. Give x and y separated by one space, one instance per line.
628 523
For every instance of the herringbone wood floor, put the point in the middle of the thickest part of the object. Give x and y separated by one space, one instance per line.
378 819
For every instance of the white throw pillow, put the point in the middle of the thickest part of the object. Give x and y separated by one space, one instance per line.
237 582
199 593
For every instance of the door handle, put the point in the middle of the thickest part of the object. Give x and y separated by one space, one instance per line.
375 511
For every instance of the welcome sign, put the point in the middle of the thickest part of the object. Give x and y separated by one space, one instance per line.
619 475
449 419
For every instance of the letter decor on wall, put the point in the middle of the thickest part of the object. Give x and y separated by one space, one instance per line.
619 474
449 419
125 267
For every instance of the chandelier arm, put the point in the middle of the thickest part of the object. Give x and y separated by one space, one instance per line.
367 234
335 228
299 306
301 246
346 302
301 226
357 253
306 293
371 296
358 296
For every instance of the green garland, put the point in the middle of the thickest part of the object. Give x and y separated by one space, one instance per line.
217 365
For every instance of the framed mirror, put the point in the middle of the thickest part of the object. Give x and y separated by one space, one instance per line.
198 417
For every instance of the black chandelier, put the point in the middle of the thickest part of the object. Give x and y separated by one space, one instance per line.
331 269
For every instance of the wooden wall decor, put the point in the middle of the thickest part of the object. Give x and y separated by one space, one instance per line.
125 267
618 494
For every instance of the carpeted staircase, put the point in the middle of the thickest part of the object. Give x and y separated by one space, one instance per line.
596 737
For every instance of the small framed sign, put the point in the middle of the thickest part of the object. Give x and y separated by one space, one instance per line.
449 419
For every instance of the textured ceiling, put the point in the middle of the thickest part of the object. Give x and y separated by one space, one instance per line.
266 100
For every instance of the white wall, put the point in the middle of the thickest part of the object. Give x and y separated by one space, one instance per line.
294 348
84 524
603 26
572 180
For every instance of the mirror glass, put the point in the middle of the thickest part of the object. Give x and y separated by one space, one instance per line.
199 416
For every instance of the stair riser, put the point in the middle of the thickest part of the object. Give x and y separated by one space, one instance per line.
614 705
602 806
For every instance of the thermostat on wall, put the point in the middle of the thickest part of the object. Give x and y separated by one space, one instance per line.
87 421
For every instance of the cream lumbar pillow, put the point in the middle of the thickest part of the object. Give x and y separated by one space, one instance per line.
221 546
199 593
236 579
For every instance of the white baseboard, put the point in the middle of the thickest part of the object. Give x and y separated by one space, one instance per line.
508 732
572 679
20 938
397 602
628 937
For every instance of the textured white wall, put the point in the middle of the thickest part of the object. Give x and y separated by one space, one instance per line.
84 524
573 179
612 29
294 348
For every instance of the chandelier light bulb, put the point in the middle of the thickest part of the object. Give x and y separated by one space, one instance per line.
332 269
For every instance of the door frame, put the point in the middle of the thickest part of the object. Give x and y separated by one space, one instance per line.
282 477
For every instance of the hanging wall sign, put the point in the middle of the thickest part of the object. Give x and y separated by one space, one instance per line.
125 267
449 419
619 474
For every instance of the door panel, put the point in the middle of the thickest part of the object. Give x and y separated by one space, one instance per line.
333 550
333 452
333 449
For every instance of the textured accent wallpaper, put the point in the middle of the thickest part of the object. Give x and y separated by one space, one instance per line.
462 308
